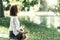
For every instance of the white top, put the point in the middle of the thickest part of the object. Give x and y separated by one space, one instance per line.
14 25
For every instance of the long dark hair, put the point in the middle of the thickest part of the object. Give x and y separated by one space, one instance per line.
13 10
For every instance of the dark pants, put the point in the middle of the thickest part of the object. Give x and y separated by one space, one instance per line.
19 36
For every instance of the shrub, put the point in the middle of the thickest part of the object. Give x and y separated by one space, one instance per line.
4 21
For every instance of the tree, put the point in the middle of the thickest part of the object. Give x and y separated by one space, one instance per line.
8 5
57 7
27 4
1 9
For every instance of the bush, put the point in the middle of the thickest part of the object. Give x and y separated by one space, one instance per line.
4 21
7 7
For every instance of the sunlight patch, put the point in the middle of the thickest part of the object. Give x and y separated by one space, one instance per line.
51 2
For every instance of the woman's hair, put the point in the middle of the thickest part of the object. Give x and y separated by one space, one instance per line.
13 10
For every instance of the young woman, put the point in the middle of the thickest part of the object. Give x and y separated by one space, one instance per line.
14 29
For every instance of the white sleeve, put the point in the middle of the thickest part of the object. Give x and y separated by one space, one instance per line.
16 23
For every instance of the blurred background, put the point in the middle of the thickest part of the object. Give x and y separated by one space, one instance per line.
33 5
40 17
32 8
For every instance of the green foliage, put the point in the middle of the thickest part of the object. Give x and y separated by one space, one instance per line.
25 4
4 21
57 7
7 7
34 2
8 1
17 0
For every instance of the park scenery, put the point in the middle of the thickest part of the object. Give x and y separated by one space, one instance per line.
41 18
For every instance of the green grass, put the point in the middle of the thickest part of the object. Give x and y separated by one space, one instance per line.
4 39
36 32
3 30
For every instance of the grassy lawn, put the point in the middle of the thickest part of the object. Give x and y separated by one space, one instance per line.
3 39
3 30
35 32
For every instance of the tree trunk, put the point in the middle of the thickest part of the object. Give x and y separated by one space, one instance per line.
1 9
